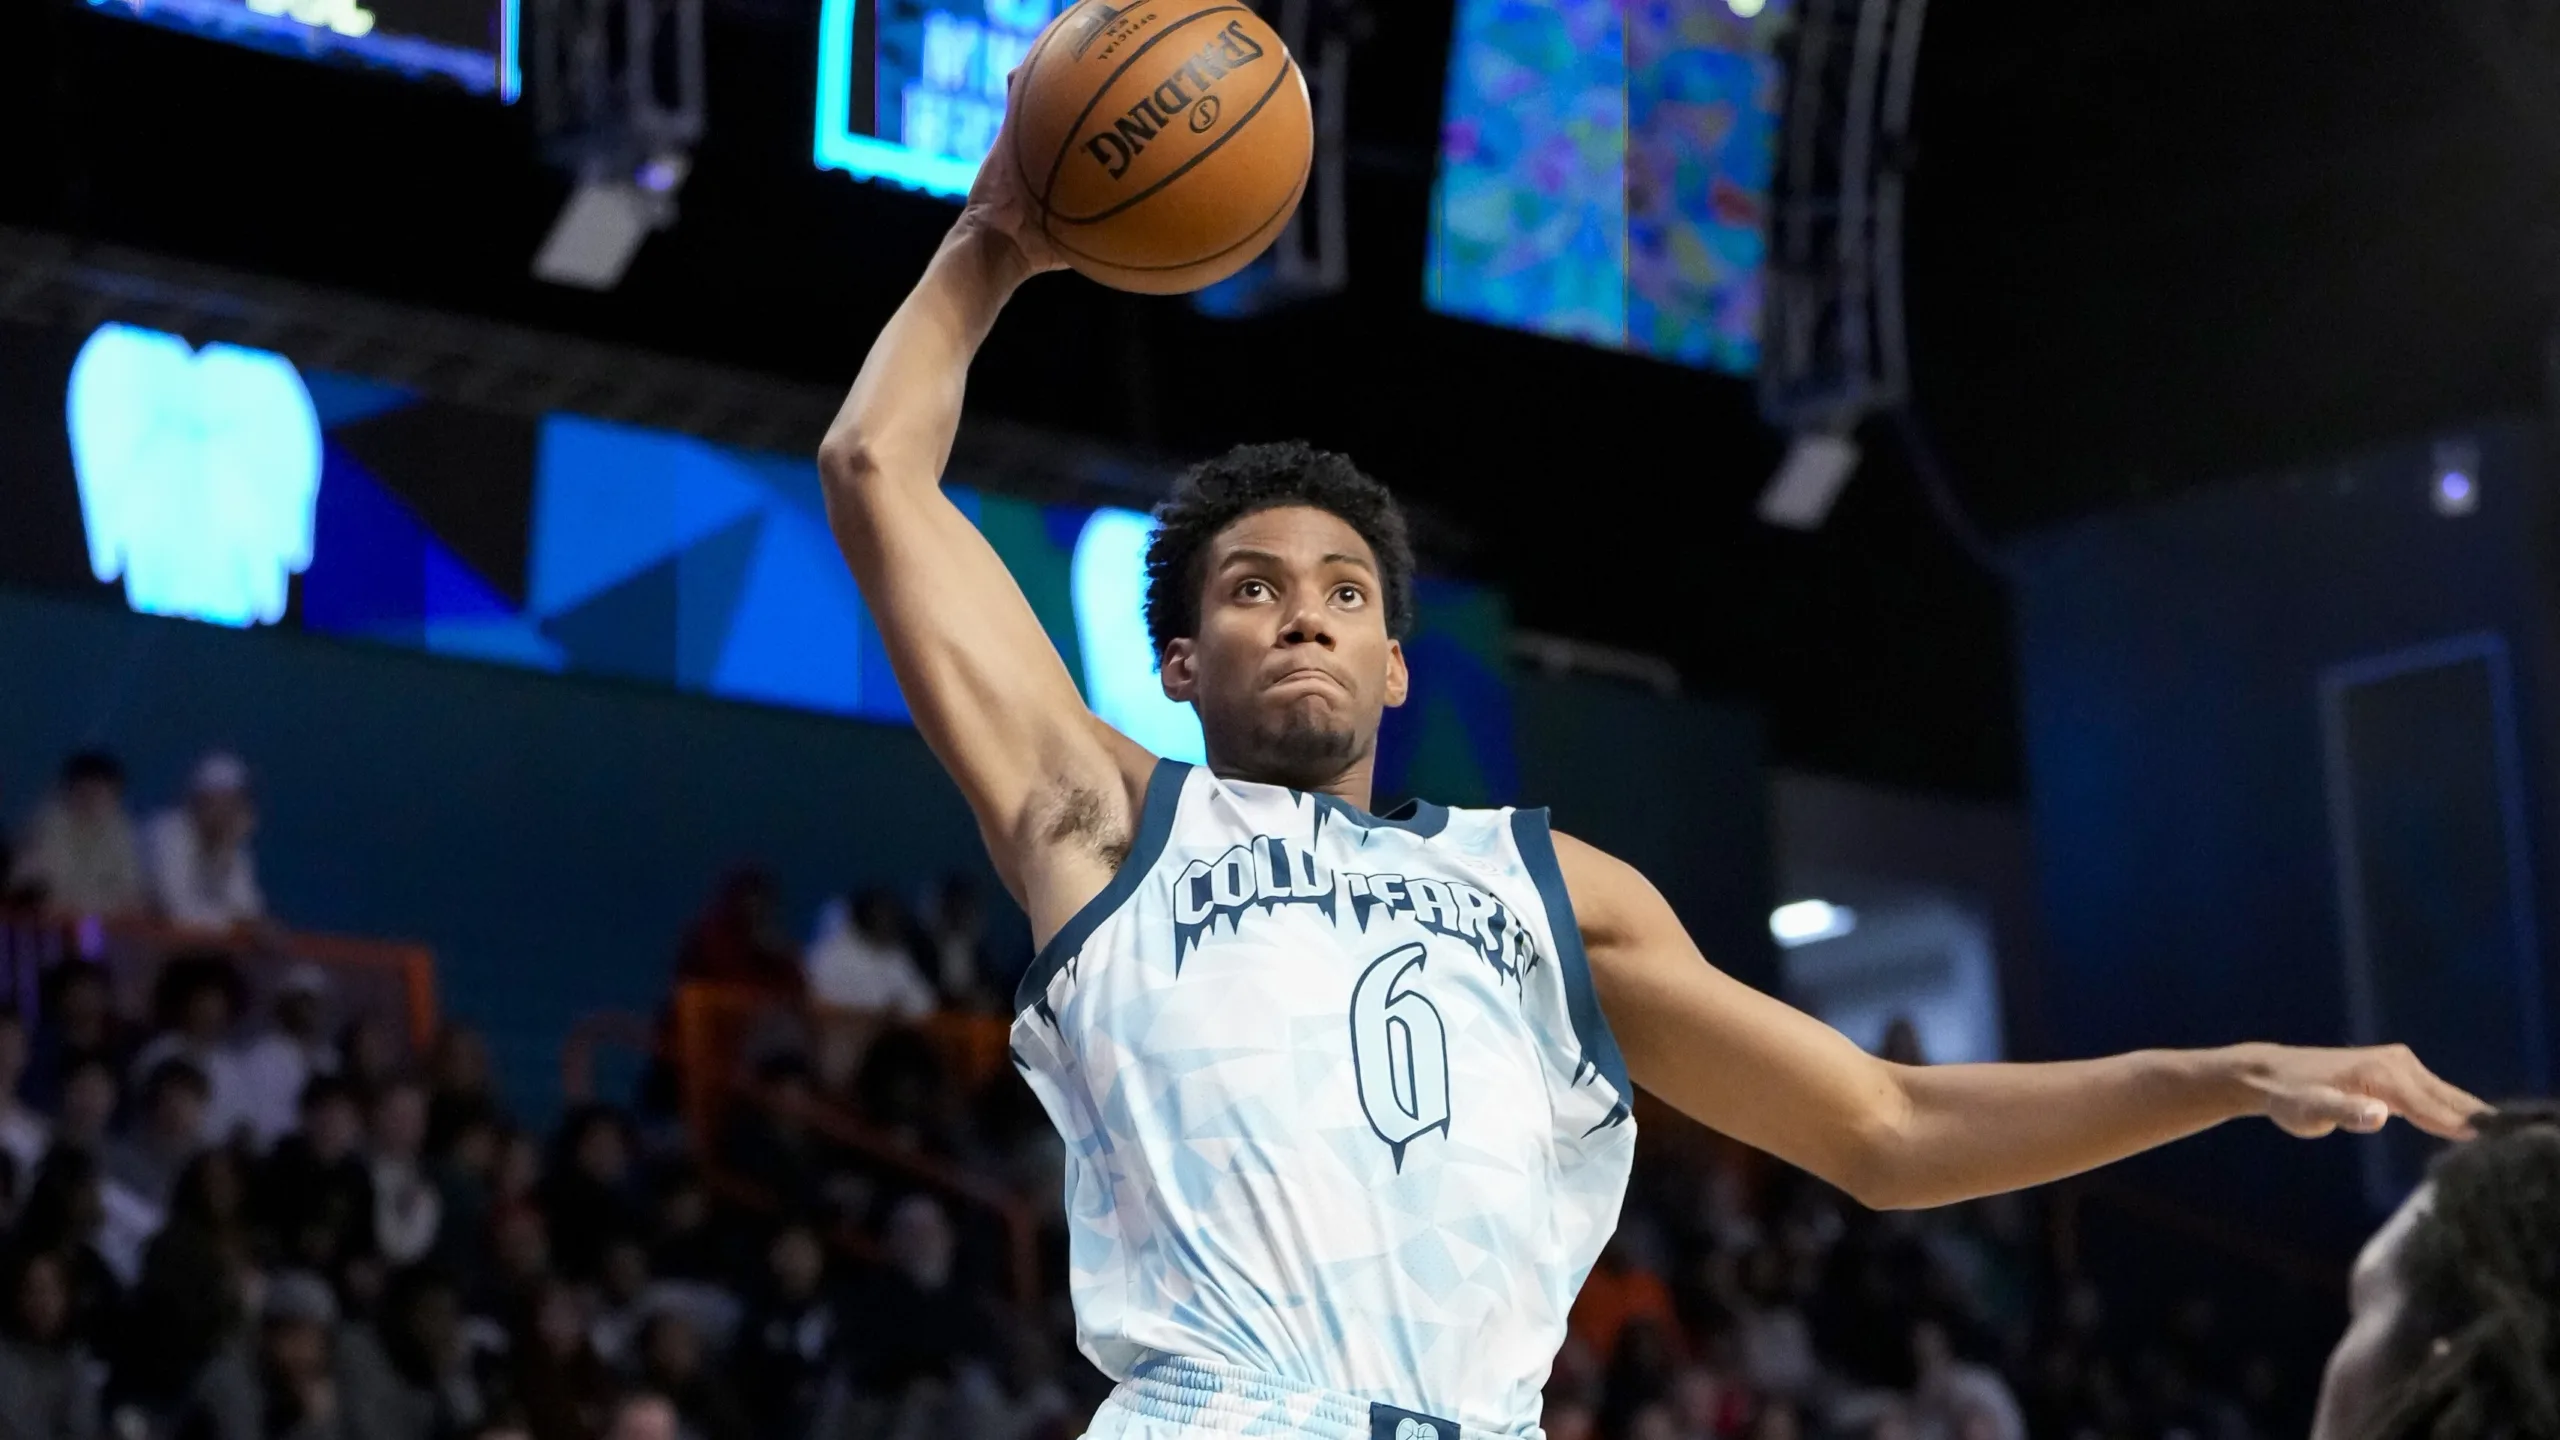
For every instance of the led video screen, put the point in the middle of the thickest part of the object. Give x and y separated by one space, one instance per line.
1604 173
469 43
911 91
225 485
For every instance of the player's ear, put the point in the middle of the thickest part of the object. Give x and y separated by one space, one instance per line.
1179 669
1399 680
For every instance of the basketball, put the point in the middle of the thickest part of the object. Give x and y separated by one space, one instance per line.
1164 143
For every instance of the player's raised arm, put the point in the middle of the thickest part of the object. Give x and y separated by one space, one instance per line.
1052 786
1899 1136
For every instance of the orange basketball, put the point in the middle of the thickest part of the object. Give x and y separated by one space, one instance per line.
1165 142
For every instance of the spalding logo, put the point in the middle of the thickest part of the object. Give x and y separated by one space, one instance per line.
1187 88
1204 114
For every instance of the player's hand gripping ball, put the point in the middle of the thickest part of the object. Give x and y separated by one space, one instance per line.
1162 144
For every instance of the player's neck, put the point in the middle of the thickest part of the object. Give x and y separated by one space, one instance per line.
1352 785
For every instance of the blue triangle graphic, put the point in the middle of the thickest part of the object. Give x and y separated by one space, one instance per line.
346 399
796 637
628 630
708 579
513 641
612 500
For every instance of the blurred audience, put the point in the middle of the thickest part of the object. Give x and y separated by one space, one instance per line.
201 872
78 855
276 1065
739 938
862 958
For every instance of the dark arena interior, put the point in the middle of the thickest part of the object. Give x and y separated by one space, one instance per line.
1994 509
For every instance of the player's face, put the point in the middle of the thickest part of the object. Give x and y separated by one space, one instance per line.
1292 664
2370 1356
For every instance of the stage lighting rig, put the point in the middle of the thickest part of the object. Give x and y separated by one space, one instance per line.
1832 344
617 88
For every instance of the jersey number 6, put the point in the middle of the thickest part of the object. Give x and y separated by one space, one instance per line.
1400 1050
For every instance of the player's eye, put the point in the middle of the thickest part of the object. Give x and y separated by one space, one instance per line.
1253 590
1350 596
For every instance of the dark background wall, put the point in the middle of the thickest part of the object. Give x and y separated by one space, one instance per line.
551 837
1675 787
2172 659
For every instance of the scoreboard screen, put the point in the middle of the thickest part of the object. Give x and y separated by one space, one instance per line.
911 91
469 43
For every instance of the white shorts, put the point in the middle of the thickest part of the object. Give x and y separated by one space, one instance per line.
1170 1397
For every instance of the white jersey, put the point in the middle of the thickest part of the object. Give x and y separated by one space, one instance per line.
1339 1104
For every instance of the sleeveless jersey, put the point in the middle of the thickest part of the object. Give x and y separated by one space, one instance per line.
1338 1101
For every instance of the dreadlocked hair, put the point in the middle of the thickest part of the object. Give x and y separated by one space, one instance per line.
1250 478
2482 1332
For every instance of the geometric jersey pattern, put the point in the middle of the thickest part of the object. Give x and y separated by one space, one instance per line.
1338 1103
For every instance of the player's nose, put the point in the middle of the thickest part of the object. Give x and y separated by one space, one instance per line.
1307 627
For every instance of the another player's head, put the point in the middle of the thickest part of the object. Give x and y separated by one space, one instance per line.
2455 1330
1279 585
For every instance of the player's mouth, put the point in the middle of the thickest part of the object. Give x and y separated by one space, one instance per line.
1307 677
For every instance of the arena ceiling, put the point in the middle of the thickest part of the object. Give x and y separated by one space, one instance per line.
2150 244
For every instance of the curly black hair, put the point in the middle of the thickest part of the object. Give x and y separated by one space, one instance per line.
1216 493
2481 1336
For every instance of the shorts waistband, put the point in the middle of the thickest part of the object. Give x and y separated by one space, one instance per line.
1223 1399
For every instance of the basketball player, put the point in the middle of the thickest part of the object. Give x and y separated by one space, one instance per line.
1345 1095
2455 1325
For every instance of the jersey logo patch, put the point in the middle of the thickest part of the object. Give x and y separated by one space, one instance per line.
1400 1051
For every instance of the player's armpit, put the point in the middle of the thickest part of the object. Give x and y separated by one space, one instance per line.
1718 1051
1054 789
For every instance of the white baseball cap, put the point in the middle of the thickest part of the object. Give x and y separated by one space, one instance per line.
219 773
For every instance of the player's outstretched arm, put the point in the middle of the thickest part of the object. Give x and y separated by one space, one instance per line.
1053 788
1899 1136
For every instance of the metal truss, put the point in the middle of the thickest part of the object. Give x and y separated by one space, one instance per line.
1833 346
63 285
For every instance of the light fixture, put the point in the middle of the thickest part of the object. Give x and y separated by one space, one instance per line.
1809 480
1802 922
2456 489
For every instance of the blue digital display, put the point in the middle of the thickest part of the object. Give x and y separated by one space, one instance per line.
911 91
470 43
198 471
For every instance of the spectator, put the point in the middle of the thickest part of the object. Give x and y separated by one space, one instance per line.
910 1321
368 1058
78 856
787 1349
769 1140
193 1297
621 1302
63 1216
79 1023
671 1363
1958 1398
461 1092
643 1416
168 1135
564 1386
202 873
739 941
275 1066
195 1002
293 1388
315 1192
407 1207
465 1172
685 1243
964 969
589 1196
445 1384
47 1391
860 959
24 1134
